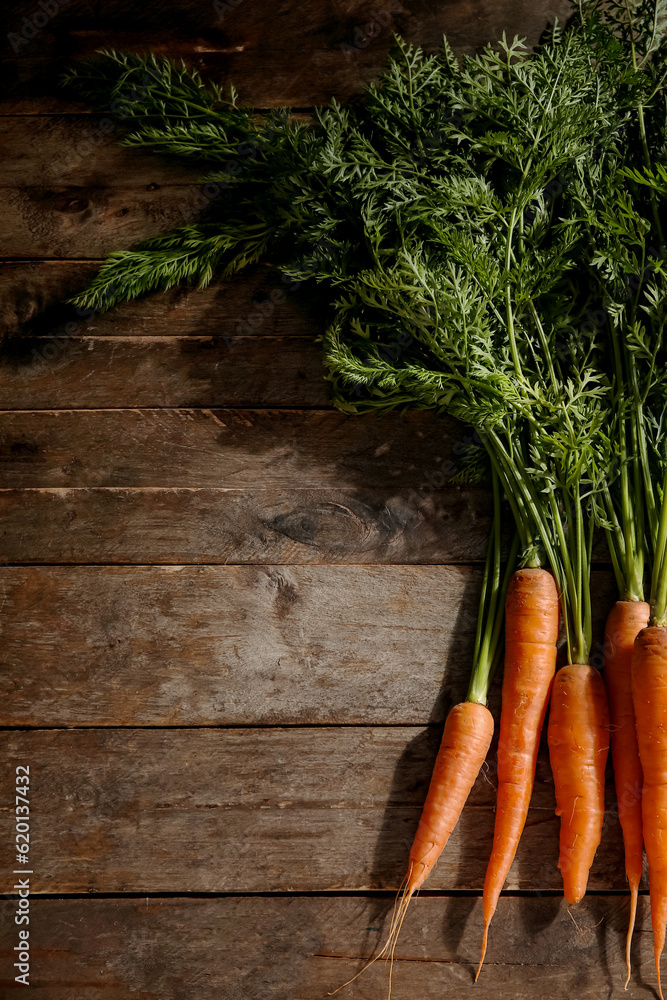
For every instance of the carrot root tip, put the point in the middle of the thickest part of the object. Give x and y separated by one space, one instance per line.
387 951
482 956
657 969
634 893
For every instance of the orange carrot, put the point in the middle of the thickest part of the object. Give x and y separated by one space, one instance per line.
465 744
578 736
625 620
531 632
649 694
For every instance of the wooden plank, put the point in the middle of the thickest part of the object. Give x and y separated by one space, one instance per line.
78 372
73 150
229 448
240 645
300 948
254 303
176 526
248 810
274 52
90 221
233 645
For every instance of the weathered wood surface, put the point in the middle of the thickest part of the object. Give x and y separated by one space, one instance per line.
262 810
300 949
214 645
275 53
229 449
73 149
177 526
233 645
91 221
254 303
78 372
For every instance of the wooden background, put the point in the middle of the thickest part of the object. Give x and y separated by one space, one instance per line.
232 620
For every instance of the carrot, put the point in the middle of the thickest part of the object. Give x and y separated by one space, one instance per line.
531 632
465 744
625 620
578 736
649 694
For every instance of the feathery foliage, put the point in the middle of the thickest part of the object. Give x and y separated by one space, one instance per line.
446 220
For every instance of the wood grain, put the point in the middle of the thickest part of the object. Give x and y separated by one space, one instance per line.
299 948
243 526
216 645
247 810
229 449
276 53
78 372
254 303
233 645
90 221
71 150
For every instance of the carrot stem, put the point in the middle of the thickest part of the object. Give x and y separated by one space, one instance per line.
659 577
488 646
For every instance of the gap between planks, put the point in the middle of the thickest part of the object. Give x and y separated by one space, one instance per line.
251 726
335 894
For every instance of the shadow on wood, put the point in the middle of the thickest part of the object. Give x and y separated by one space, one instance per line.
412 775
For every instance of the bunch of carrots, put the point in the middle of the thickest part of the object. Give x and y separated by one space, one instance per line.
576 439
487 237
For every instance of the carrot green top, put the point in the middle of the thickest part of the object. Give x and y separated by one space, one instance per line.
440 221
623 213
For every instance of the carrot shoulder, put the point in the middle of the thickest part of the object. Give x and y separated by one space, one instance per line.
649 693
626 619
531 632
578 736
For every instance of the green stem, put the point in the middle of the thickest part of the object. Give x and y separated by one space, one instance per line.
491 605
642 450
659 577
508 257
586 586
583 641
647 159
615 543
544 345
640 115
480 676
635 585
567 585
496 645
519 486
517 512
631 506
508 299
